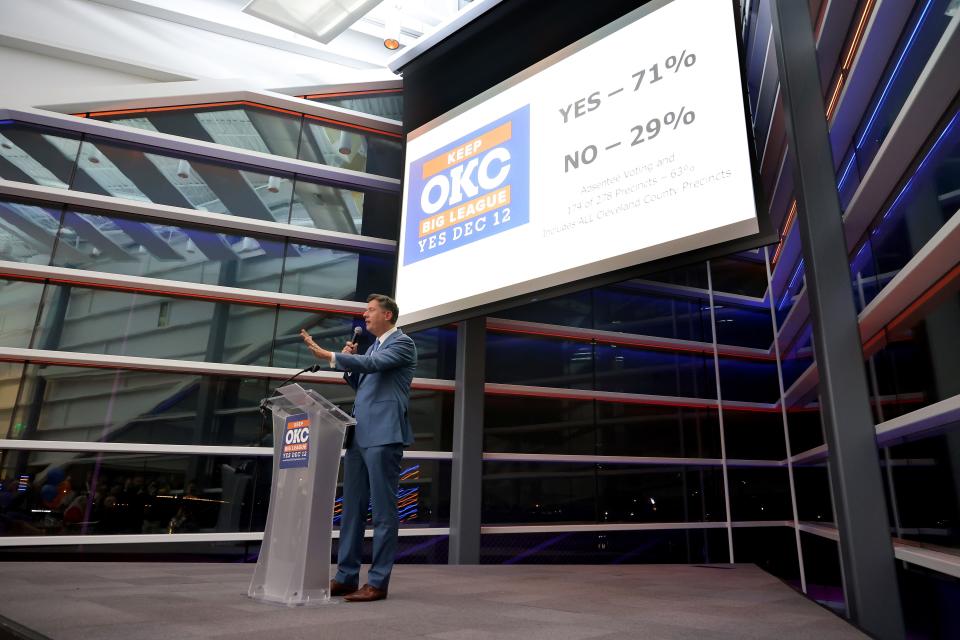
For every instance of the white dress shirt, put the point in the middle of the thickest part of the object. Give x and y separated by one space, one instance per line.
381 339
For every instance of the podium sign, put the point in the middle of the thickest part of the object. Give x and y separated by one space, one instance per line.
294 563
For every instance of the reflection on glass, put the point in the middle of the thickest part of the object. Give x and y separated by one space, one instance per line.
744 326
632 310
138 247
321 206
107 405
89 493
63 493
326 272
351 149
630 493
759 493
436 352
749 380
18 312
10 373
384 104
572 310
863 275
797 357
134 324
812 485
546 362
806 430
27 232
743 274
583 427
642 430
677 546
917 43
531 493
693 275
431 416
773 549
538 425
272 131
662 373
245 127
754 435
324 207
821 562
917 366
926 506
795 286
921 208
329 330
848 181
431 412
37 155
147 175
550 362
423 498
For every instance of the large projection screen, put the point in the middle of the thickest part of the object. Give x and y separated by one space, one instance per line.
628 146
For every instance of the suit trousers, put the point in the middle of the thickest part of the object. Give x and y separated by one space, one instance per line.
371 475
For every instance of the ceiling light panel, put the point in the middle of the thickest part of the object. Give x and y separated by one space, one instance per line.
321 20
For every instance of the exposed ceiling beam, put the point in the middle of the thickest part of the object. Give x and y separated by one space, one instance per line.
364 50
38 45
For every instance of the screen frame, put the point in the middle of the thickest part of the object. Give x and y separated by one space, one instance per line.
766 234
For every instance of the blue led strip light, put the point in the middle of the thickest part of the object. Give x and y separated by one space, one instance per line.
409 498
893 76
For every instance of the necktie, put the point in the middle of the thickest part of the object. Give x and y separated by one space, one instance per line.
376 345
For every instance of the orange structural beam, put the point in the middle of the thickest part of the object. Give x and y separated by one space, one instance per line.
848 57
235 103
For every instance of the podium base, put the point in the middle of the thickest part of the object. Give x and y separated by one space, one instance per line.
310 598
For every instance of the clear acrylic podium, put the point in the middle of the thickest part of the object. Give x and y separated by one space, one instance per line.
294 564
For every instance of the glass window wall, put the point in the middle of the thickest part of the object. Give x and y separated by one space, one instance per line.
759 493
54 493
37 155
535 493
672 546
276 132
386 104
27 231
146 174
126 245
18 312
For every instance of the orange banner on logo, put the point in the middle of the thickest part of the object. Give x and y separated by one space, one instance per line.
478 206
455 156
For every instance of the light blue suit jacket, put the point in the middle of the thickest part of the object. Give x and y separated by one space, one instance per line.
382 380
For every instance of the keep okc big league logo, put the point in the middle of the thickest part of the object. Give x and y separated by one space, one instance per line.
472 189
296 442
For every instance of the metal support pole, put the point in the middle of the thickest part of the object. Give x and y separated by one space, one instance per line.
467 471
866 550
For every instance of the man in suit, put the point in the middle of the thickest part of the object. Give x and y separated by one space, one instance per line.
371 465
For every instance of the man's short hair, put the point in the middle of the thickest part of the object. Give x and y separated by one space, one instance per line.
387 304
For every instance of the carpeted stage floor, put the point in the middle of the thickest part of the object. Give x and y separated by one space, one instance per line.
134 601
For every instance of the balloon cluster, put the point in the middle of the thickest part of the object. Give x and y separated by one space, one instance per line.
56 487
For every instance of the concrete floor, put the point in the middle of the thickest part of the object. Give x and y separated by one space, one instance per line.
151 600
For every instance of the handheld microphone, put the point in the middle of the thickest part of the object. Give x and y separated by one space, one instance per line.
357 332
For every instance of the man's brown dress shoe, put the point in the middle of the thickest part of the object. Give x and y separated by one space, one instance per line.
367 594
340 589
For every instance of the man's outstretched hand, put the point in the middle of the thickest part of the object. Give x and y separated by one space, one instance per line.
315 349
